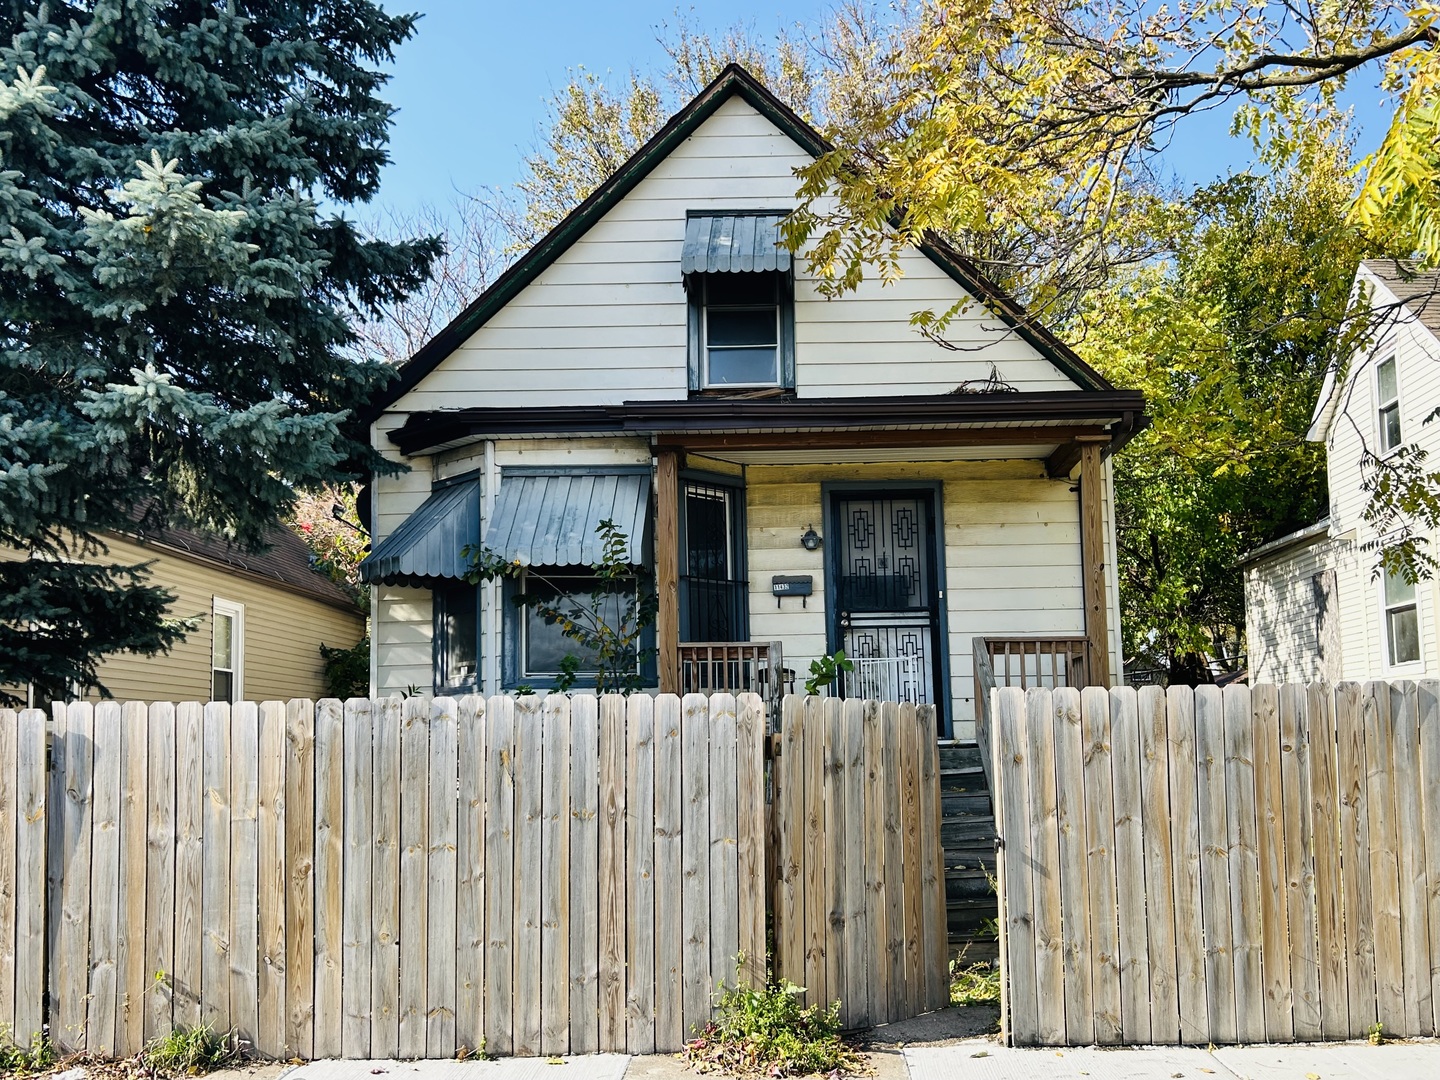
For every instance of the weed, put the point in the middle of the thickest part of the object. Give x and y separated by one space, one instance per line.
768 1032
16 1060
191 1051
974 984
1375 1033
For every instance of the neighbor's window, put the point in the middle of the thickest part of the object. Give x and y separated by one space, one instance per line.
743 332
1387 391
227 649
544 645
457 637
1402 622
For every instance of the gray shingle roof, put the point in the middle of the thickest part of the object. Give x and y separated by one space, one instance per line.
1419 292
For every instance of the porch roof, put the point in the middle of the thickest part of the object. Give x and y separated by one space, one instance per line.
1117 413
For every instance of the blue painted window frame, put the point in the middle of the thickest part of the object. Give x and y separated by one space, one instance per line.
443 595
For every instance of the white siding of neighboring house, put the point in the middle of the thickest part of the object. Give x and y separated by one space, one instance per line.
606 322
1283 627
1354 428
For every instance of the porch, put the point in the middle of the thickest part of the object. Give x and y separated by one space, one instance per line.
905 552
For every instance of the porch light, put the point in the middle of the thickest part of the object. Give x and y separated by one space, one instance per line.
811 540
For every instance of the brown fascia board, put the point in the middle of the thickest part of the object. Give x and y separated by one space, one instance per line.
426 431
733 80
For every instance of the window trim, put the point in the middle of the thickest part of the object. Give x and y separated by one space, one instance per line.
235 612
440 639
1382 405
698 359
1386 610
513 638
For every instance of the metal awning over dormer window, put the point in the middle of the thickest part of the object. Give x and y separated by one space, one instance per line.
734 241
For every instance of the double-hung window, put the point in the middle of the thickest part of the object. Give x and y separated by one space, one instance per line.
227 650
1402 621
741 330
1387 404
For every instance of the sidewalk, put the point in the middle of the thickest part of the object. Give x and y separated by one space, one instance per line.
987 1060
944 1056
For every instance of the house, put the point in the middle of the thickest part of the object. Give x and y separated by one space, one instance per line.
1316 607
802 475
262 618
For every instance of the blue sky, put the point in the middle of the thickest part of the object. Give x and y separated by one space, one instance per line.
472 86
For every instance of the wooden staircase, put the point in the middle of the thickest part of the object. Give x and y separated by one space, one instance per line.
967 833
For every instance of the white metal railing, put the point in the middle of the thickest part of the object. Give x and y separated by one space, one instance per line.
888 678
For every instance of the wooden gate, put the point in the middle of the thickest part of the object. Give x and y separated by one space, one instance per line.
859 894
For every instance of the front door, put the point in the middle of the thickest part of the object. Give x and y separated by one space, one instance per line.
885 593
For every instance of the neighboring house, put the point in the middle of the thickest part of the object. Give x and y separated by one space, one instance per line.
802 475
1315 606
262 619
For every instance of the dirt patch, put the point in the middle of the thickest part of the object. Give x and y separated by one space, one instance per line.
935 1029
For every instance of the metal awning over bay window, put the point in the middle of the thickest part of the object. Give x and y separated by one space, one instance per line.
427 545
549 517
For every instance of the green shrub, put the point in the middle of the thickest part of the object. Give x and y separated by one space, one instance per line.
191 1051
16 1060
767 1031
974 984
347 671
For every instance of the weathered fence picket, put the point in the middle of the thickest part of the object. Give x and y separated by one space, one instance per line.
389 878
859 910
1258 863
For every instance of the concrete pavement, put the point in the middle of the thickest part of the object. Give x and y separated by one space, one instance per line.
943 1046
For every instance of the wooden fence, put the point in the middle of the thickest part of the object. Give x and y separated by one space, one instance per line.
1198 866
860 905
406 878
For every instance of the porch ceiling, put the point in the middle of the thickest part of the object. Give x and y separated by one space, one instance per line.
883 454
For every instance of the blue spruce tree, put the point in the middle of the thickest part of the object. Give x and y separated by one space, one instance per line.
176 288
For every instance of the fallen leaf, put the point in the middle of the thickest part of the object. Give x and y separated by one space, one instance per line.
980 1053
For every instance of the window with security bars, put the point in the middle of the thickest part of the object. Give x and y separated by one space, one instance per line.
713 589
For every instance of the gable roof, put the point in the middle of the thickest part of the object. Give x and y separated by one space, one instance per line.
734 81
1417 293
286 562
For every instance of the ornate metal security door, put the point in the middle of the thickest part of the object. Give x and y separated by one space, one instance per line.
885 594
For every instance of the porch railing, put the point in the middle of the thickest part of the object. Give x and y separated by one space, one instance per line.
736 667
1024 662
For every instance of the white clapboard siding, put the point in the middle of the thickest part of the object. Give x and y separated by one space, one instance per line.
623 335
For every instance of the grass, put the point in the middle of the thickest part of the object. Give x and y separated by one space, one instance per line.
191 1051
16 1060
767 1032
975 984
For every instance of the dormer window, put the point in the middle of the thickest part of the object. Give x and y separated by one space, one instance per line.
1387 393
741 331
742 321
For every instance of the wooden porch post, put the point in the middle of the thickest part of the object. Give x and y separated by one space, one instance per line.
1092 562
667 568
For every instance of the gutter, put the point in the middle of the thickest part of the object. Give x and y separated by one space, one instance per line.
1299 538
